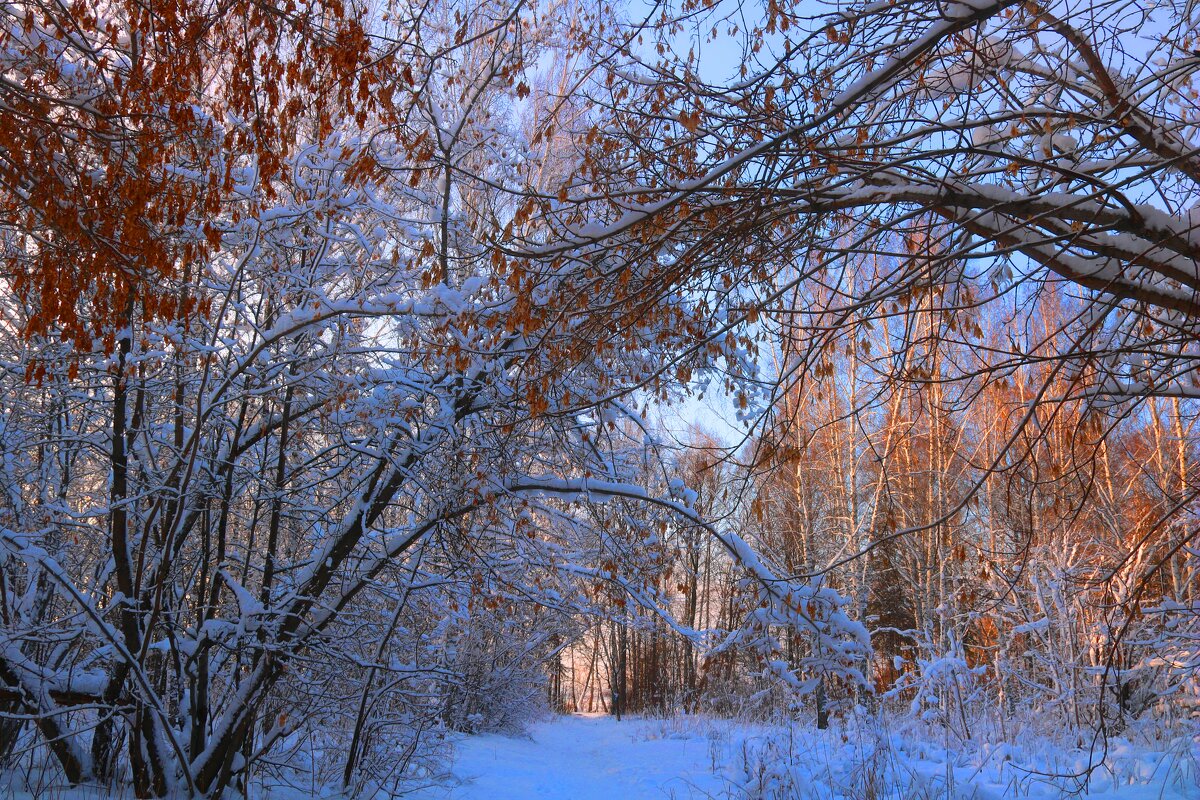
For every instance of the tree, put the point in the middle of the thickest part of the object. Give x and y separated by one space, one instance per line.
930 172
968 154
254 461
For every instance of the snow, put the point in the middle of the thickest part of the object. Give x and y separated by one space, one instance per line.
588 756
582 757
595 757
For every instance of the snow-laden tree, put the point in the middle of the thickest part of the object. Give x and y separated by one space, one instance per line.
958 205
297 445
874 160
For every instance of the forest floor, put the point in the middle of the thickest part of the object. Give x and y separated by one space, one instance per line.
584 757
592 757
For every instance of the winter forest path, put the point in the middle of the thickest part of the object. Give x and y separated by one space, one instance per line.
583 757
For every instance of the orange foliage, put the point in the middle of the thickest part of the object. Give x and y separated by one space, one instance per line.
124 124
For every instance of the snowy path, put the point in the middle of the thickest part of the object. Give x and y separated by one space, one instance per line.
582 757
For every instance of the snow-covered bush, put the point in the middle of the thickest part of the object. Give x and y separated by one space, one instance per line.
879 756
497 682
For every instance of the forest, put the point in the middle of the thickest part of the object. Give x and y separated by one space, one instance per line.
379 375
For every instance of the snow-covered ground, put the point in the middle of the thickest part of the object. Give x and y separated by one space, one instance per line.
584 757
